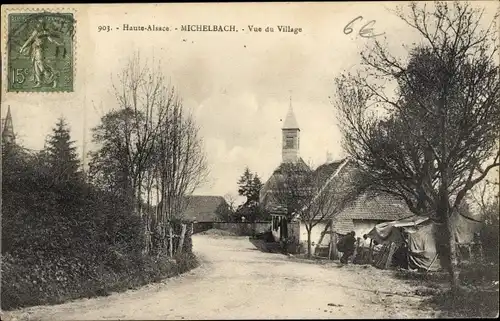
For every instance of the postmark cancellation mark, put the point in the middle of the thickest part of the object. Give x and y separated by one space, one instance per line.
40 52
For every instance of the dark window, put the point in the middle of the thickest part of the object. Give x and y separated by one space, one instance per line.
289 142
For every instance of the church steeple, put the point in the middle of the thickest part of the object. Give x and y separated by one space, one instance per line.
291 137
8 128
290 120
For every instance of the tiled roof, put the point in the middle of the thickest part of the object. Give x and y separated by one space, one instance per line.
202 208
343 226
325 171
382 207
272 183
300 166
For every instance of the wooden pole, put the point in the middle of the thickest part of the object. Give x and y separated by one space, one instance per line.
335 252
170 240
330 246
370 253
434 259
181 241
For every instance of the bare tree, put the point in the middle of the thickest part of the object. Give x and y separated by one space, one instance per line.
231 201
181 166
150 145
484 197
438 135
315 197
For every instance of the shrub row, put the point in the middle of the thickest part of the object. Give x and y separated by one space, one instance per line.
55 281
65 239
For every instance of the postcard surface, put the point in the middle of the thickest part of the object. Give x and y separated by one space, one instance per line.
248 160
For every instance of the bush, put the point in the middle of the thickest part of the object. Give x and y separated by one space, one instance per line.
64 240
52 282
469 303
490 242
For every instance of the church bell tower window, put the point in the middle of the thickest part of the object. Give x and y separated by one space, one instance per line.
289 142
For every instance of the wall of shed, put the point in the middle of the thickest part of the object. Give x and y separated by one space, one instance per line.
315 235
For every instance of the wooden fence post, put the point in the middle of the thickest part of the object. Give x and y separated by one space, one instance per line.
330 247
170 240
181 240
370 253
335 252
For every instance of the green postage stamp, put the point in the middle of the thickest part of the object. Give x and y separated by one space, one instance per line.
40 52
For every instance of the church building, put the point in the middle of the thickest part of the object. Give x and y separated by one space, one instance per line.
290 155
7 128
360 216
290 133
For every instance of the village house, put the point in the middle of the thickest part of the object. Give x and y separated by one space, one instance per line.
359 216
202 211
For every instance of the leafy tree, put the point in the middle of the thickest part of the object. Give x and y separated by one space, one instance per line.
110 166
438 136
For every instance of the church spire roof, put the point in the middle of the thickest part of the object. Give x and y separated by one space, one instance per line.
7 128
290 120
8 116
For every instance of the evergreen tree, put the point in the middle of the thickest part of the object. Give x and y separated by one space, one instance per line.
256 187
249 185
245 184
60 152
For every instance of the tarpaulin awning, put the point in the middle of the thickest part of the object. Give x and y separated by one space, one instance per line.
419 233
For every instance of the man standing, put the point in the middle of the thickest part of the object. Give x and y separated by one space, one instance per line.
349 242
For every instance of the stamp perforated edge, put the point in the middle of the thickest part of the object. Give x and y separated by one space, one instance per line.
27 9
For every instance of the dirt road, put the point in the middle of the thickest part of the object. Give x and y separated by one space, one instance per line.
237 281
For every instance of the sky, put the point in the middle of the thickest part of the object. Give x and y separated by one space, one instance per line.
238 85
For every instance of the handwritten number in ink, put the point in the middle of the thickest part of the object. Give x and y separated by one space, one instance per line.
365 31
348 27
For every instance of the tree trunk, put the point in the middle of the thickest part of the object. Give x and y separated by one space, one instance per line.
452 255
444 206
446 239
309 249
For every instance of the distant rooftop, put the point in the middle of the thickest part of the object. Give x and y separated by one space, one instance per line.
202 208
